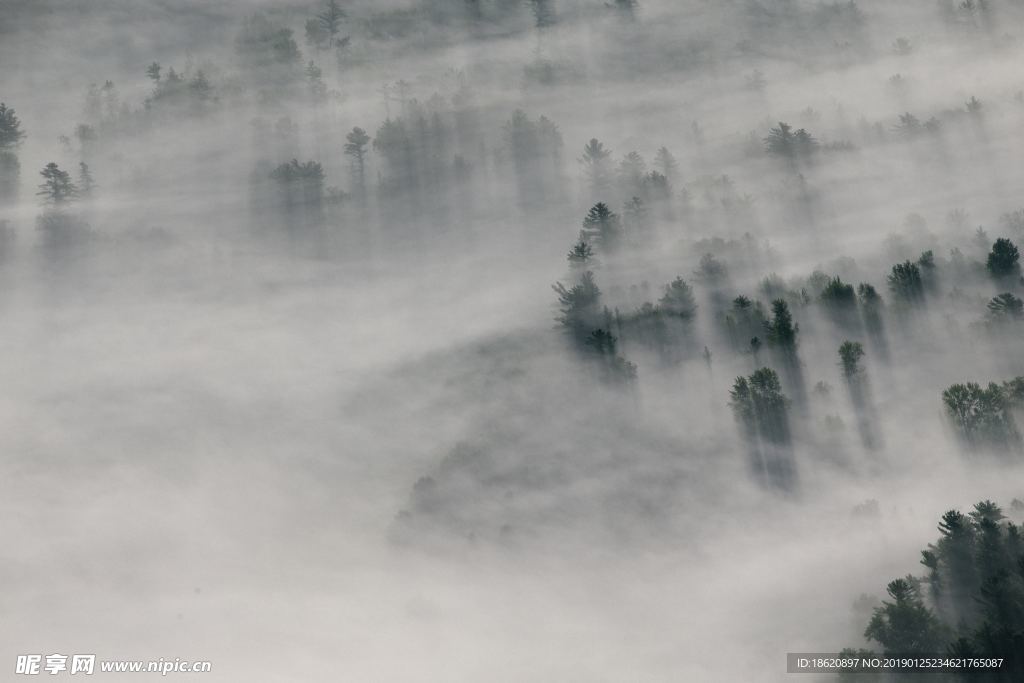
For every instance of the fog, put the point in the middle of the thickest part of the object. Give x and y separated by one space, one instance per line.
328 420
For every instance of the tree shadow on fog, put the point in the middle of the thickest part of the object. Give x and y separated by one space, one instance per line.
761 412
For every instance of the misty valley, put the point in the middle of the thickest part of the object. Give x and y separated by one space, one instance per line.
513 340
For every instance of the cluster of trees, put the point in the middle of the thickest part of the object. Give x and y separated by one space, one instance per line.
983 417
769 334
761 411
589 326
630 179
971 601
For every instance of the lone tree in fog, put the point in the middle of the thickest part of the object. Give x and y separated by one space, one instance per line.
850 353
11 133
580 255
601 226
85 180
57 188
596 166
579 305
322 30
615 367
356 147
839 300
780 330
301 183
1005 308
11 136
906 284
666 163
1003 259
785 142
678 300
153 72
758 403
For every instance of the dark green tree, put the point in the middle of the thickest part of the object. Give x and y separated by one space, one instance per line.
579 306
1003 259
982 416
780 330
602 227
850 353
761 410
905 283
905 625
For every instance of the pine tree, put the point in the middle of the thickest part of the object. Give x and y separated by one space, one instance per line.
596 166
356 147
666 163
57 188
11 133
602 226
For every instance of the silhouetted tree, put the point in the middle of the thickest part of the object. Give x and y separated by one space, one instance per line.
595 163
666 163
905 283
850 354
976 575
982 417
1005 308
602 227
301 183
905 625
784 142
760 408
840 302
356 149
615 367
678 300
323 29
1003 259
780 330
579 306
580 255
11 136
11 133
57 188
153 72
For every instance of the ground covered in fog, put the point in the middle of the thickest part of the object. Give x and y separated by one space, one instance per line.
510 340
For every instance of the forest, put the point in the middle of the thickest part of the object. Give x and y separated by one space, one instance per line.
508 340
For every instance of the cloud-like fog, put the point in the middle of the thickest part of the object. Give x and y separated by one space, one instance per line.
320 422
